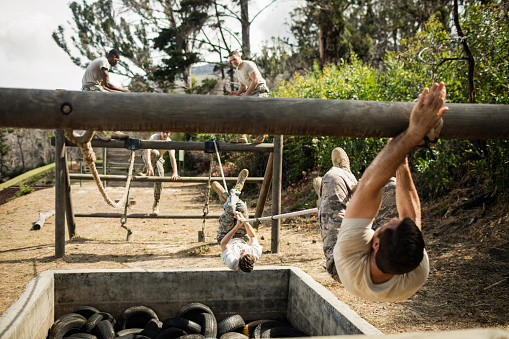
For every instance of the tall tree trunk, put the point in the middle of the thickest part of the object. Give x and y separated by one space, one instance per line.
244 17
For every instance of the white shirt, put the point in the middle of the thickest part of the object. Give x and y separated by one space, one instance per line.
352 255
235 246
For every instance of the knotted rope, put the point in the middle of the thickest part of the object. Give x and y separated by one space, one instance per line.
84 142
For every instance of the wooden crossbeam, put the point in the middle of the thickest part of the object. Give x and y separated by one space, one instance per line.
60 109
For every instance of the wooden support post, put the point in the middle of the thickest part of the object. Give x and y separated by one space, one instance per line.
264 191
276 190
71 223
59 194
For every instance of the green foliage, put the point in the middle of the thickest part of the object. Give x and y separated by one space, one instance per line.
23 190
432 55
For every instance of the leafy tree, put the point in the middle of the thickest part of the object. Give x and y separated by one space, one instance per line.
130 26
4 151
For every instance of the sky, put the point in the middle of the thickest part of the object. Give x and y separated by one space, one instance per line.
29 58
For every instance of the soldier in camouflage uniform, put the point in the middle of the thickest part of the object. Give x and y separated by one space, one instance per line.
232 203
334 191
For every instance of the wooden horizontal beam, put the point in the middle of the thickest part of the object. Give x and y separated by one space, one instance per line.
178 145
60 109
139 178
146 216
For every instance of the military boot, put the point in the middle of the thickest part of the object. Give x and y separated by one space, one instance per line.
241 180
220 191
340 159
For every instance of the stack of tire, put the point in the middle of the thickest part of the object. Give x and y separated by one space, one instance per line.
192 321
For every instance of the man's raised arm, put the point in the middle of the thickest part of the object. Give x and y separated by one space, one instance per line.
425 115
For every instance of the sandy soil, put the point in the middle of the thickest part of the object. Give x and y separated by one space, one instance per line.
468 286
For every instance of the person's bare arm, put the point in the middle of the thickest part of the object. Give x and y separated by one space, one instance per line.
173 162
150 169
407 199
229 235
107 85
250 231
255 80
425 115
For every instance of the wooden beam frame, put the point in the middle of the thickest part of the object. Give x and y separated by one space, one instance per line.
60 109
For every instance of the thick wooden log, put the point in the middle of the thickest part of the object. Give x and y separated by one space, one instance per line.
276 191
110 177
264 191
60 202
59 109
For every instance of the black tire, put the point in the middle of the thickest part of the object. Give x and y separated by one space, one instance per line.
250 327
184 324
135 317
65 324
233 323
283 332
109 317
91 322
192 336
262 327
171 333
208 325
132 336
104 330
82 336
234 335
129 331
86 311
192 310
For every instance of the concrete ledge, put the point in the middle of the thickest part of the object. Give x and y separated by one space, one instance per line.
31 316
281 293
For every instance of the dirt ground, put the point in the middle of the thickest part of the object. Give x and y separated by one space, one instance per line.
468 286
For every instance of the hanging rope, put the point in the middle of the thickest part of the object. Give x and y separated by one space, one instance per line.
220 166
89 157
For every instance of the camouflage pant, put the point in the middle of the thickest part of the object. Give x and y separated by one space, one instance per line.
260 91
96 88
157 164
227 219
336 190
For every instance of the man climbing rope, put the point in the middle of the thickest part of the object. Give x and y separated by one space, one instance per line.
389 264
155 166
251 84
236 252
97 79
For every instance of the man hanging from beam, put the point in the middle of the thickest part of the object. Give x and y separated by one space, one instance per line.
391 263
240 248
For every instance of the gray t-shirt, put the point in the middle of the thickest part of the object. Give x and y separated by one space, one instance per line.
92 76
244 74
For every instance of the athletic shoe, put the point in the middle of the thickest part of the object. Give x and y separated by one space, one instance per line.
259 139
103 136
241 179
241 139
340 159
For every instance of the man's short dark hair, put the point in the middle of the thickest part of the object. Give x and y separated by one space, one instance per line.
246 263
401 250
114 52
234 53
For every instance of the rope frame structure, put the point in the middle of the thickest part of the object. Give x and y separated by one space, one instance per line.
63 201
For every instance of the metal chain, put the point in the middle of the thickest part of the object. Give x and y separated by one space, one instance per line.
207 196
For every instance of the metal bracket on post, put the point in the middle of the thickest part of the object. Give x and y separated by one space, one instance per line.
210 147
132 144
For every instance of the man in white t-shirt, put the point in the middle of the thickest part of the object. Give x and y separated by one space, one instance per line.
389 264
240 248
97 79
251 83
155 165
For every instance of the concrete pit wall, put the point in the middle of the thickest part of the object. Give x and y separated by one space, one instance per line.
280 293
